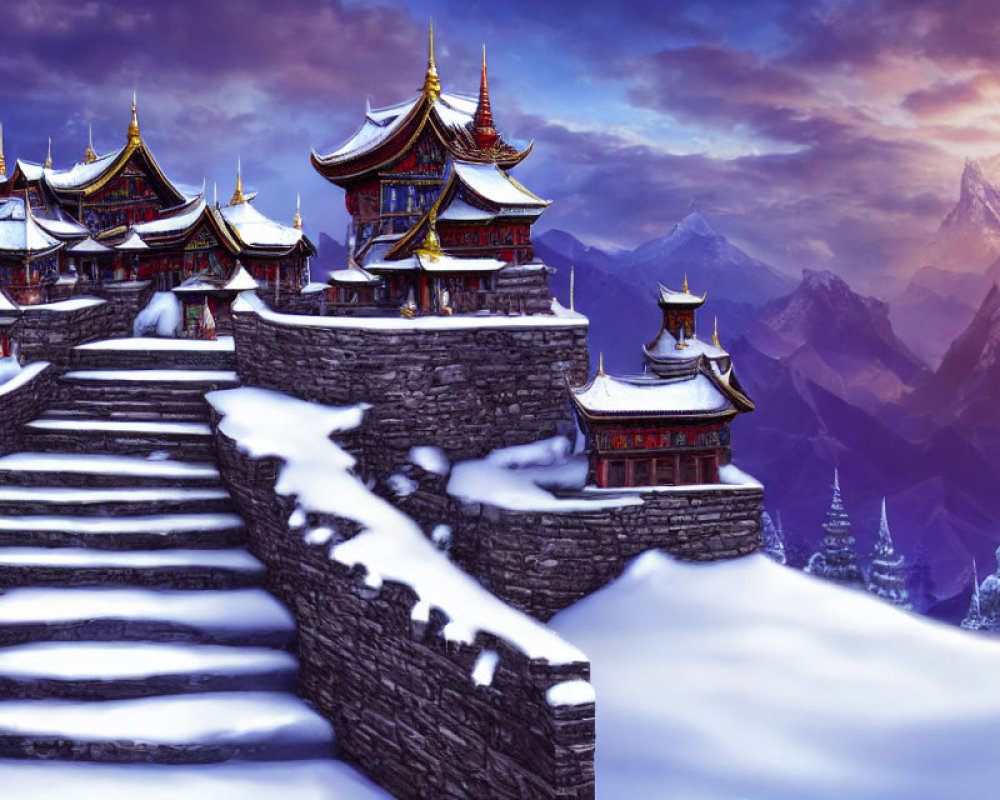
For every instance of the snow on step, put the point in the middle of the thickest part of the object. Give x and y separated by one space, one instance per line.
155 375
224 344
226 609
232 559
108 661
107 426
298 780
225 718
105 465
56 495
153 524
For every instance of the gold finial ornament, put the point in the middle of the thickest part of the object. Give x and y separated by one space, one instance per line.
297 222
600 364
3 161
431 246
90 155
686 290
715 334
432 83
133 126
238 197
48 157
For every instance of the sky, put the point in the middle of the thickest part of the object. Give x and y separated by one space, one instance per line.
822 135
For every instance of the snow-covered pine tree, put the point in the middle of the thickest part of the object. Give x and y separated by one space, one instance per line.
837 559
887 577
771 543
973 620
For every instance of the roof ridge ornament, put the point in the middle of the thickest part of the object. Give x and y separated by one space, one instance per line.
297 222
90 155
686 290
238 196
48 157
483 130
432 83
600 365
133 127
715 334
3 161
431 246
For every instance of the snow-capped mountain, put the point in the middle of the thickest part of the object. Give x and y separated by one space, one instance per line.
978 209
712 263
840 340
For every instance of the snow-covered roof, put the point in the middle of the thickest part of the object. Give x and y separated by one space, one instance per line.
460 211
256 230
641 394
493 184
665 347
446 263
20 232
675 298
133 242
89 245
30 170
242 281
352 275
377 127
60 225
175 223
80 174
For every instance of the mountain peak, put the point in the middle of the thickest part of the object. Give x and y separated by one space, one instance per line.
978 204
694 223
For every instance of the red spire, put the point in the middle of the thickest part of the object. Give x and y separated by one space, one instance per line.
483 131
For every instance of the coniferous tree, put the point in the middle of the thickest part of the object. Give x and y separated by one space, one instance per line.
771 542
887 577
973 620
837 558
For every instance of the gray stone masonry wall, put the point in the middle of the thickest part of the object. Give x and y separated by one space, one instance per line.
542 563
48 335
23 404
400 697
522 290
467 391
126 300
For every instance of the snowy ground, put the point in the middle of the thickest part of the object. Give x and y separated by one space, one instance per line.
301 780
747 680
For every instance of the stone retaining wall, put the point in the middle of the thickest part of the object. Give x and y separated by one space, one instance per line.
401 698
542 563
126 300
50 332
522 290
468 390
21 400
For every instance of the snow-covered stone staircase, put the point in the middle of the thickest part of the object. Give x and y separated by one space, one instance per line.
132 622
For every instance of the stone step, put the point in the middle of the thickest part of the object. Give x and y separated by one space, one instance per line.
123 533
155 353
140 411
115 502
232 568
97 469
245 617
192 728
144 384
184 441
119 670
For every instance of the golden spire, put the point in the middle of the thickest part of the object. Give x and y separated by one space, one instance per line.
238 197
600 365
133 126
432 83
715 334
686 290
431 246
48 157
90 155
297 222
3 161
215 193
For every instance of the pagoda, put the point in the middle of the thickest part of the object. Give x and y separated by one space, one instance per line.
117 217
669 425
435 215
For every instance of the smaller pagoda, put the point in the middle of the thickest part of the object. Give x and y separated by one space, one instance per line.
669 425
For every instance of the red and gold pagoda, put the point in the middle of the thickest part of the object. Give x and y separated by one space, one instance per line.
434 213
669 425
